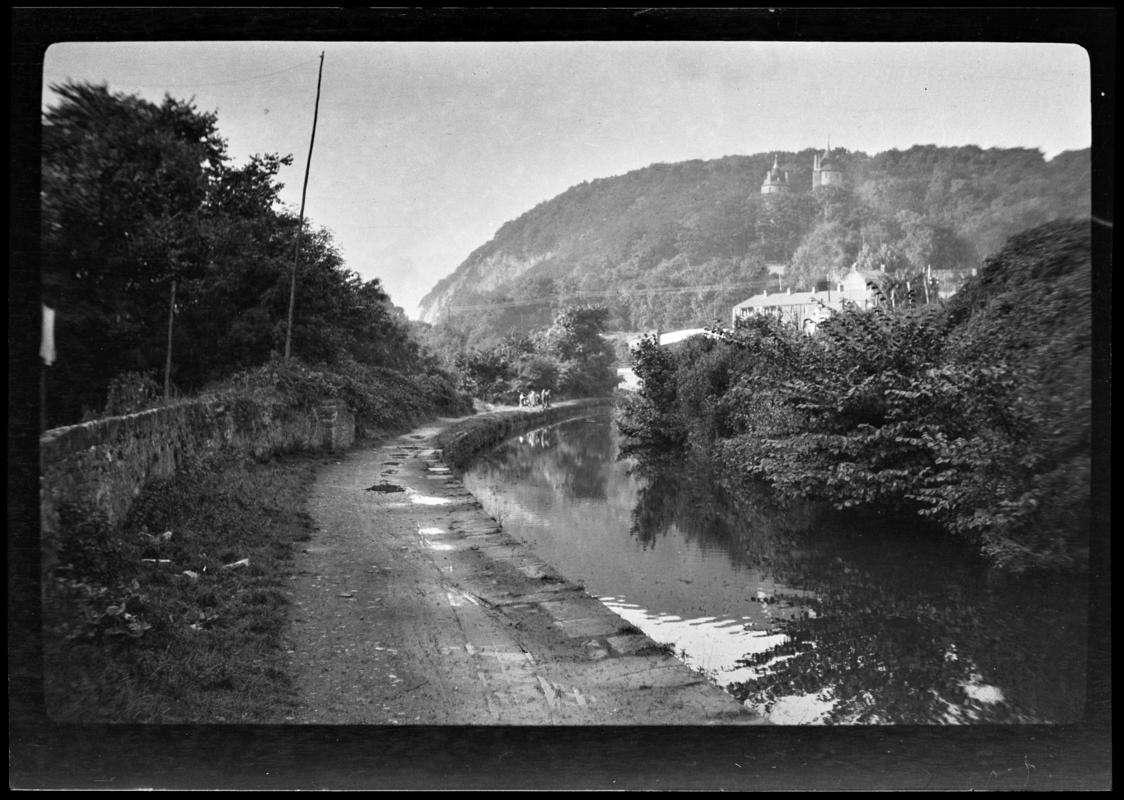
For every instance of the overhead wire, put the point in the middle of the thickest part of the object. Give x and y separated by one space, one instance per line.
716 287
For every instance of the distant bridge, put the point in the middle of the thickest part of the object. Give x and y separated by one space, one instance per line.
629 379
671 337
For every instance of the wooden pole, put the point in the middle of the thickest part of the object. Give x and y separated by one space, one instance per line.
300 223
168 354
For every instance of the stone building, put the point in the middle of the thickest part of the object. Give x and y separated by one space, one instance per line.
776 180
806 310
825 170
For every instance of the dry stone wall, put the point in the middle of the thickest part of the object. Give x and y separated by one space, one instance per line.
105 463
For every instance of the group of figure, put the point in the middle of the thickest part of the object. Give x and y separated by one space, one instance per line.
535 399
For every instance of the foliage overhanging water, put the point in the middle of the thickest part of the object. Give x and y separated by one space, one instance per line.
807 615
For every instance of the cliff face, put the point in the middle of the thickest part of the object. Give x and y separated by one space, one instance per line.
484 274
677 245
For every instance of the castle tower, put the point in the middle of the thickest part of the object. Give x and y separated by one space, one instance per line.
776 180
825 169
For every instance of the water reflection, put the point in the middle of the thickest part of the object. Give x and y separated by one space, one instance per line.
805 614
578 465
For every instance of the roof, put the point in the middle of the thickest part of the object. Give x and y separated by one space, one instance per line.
854 289
786 299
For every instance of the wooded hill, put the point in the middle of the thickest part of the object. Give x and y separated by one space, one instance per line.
641 242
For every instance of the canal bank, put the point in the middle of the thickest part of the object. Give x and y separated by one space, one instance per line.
410 605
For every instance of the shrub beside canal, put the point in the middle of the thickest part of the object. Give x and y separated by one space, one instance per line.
976 414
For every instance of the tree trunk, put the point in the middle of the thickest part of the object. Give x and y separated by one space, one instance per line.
168 356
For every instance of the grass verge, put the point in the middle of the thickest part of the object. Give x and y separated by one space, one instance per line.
178 615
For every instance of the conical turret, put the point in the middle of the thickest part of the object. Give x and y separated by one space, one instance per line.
776 179
825 171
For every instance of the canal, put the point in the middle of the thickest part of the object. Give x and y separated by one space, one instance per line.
805 614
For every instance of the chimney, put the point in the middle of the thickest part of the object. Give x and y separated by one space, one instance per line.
789 290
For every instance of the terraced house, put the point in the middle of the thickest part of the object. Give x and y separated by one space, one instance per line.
807 309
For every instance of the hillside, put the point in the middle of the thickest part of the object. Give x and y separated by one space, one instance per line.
642 242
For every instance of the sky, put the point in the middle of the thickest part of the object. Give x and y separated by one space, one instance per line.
424 149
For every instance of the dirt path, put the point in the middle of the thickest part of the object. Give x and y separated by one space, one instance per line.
411 606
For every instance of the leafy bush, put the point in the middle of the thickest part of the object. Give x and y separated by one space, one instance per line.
570 357
92 590
383 399
536 372
130 392
975 414
650 420
484 373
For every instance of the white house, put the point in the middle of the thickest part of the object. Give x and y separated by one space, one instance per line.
806 310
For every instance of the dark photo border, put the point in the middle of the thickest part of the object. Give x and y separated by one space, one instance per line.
44 754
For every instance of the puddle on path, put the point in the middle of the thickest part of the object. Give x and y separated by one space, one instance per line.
385 487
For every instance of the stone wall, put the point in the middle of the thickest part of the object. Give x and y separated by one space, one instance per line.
106 462
460 442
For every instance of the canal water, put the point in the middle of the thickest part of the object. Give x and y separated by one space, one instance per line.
806 615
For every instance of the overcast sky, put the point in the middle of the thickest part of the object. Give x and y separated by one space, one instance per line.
423 150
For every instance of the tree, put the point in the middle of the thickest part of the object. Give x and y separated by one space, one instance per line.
781 223
443 341
155 244
484 373
927 245
825 253
123 181
882 257
585 357
650 420
536 372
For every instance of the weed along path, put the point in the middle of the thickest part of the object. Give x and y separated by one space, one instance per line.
412 606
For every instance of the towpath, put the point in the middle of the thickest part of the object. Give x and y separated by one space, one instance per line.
411 606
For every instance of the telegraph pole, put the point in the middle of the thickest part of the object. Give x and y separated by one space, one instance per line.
300 223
